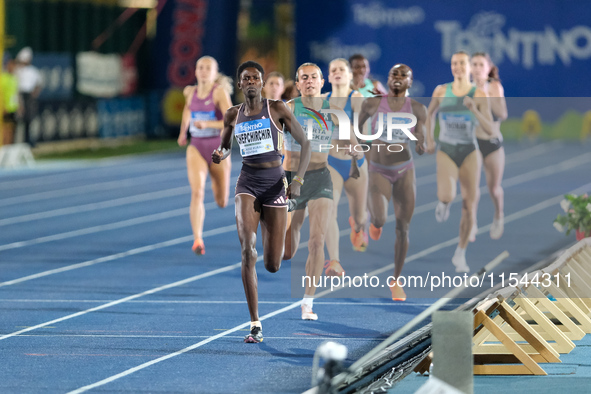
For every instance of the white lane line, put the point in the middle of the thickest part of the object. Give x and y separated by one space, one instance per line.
508 219
517 156
143 249
296 338
433 249
125 299
177 191
516 180
100 186
85 172
205 302
511 158
552 169
96 229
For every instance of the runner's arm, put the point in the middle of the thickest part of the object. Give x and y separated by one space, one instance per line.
431 117
480 107
226 138
420 111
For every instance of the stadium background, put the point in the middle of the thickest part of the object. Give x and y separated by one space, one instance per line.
85 48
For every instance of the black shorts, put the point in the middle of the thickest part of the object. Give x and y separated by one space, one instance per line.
457 153
268 185
10 117
317 184
489 146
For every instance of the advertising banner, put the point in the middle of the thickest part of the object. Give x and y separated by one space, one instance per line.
539 46
99 75
57 72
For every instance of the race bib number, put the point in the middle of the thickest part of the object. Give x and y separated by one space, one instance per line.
201 133
321 136
254 137
457 127
398 136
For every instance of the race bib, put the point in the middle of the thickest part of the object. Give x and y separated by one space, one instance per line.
398 136
457 127
202 133
254 137
321 136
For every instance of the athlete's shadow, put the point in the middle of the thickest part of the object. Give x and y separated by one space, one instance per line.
319 332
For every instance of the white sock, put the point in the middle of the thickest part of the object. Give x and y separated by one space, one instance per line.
460 252
255 324
308 301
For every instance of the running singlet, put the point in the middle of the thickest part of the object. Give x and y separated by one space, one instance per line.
366 91
320 134
348 110
398 136
457 124
259 138
204 109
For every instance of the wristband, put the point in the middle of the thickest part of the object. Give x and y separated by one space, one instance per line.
299 180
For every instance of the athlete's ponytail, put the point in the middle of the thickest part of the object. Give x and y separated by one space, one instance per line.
225 82
494 73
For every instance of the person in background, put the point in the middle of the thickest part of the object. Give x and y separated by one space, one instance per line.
485 76
274 86
462 108
361 82
205 105
29 84
391 167
10 101
290 91
347 172
316 185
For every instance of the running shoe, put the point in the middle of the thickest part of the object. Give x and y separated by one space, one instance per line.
307 313
497 228
459 262
255 336
198 247
374 232
398 293
442 211
358 239
333 268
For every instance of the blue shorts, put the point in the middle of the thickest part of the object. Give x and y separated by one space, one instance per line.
343 166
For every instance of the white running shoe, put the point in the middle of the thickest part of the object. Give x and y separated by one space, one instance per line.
497 228
459 262
307 313
442 211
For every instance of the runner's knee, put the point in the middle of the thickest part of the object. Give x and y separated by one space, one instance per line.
221 200
378 222
445 197
496 191
249 253
316 243
272 264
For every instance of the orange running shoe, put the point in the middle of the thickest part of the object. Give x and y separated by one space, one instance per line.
398 293
333 268
358 239
374 232
198 247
